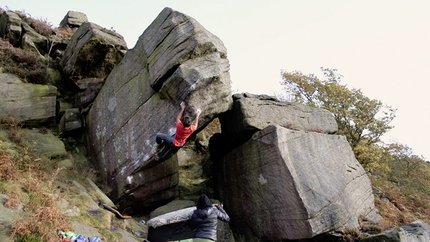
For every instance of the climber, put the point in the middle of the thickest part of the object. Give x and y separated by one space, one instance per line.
184 128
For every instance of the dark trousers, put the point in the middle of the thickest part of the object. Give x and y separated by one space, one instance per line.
164 138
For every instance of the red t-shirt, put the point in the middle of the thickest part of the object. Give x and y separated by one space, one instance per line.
182 133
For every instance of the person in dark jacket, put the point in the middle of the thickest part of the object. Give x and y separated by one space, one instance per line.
204 219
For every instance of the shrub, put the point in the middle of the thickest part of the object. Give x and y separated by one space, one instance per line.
42 213
42 27
27 65
64 32
14 126
7 165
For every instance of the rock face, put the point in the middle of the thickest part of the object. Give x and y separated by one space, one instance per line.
284 183
27 102
174 60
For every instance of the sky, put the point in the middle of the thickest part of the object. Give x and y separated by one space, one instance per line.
381 47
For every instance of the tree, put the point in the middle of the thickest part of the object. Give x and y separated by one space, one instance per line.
362 120
404 159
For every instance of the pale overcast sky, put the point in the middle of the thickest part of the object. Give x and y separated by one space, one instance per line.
381 47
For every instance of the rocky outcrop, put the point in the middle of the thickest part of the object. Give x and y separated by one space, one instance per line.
10 27
20 34
33 103
417 231
174 60
92 52
33 36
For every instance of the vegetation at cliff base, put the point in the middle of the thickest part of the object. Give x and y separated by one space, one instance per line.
26 184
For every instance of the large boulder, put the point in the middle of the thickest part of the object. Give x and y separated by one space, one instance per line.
175 59
293 177
285 184
92 52
33 103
